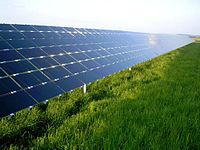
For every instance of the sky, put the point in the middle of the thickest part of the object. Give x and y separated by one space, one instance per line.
151 16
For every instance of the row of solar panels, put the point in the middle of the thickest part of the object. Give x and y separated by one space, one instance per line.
41 62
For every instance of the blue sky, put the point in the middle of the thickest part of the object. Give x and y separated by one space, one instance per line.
154 16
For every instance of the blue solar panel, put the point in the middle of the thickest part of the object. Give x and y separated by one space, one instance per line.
33 52
75 68
8 85
2 73
56 73
17 67
32 35
70 83
40 92
4 45
30 79
90 64
6 27
24 28
21 43
15 102
11 35
41 62
64 59
9 55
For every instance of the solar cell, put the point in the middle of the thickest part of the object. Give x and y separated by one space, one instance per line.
42 28
7 86
75 68
33 35
56 73
44 91
40 76
15 102
53 50
70 49
70 29
54 28
41 62
79 56
21 43
120 56
88 76
103 61
33 52
65 35
11 35
68 84
17 67
2 73
112 59
90 64
100 72
44 42
4 45
9 55
24 27
50 34
64 59
83 47
93 54
6 27
27 80
64 41
44 62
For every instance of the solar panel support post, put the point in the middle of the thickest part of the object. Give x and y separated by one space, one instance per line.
129 69
12 115
84 88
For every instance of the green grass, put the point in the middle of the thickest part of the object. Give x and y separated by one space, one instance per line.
156 105
197 39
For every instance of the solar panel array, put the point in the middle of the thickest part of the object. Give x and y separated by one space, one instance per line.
41 62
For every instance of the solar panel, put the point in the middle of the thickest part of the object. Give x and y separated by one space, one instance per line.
41 62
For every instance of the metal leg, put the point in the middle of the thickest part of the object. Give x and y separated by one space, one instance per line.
84 88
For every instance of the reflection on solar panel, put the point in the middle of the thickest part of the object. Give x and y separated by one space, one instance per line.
41 62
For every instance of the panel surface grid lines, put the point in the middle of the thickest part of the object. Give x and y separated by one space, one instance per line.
41 62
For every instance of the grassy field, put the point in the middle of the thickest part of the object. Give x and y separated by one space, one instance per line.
197 40
156 105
